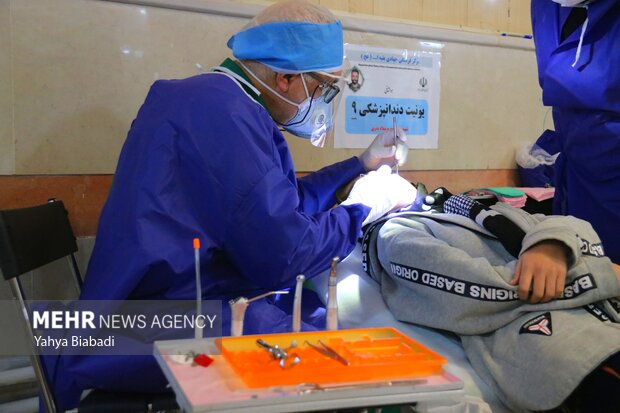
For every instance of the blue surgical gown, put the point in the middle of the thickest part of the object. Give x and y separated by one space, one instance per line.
204 159
586 112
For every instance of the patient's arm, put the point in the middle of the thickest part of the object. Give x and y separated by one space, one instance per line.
542 269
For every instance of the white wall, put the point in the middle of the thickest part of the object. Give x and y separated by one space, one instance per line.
79 70
6 92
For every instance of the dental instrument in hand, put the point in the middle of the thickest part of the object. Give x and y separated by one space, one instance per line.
297 304
332 299
237 310
396 139
401 148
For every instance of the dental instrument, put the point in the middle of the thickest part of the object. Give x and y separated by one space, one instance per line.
395 144
286 360
307 388
328 352
332 299
297 303
238 307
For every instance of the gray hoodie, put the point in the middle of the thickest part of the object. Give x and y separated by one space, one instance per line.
446 272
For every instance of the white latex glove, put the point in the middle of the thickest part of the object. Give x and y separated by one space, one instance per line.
381 191
385 150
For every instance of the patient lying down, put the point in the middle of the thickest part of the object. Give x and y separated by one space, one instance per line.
531 296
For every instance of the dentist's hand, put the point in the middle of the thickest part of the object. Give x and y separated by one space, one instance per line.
381 191
385 150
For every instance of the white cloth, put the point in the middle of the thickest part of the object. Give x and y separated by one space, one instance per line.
381 191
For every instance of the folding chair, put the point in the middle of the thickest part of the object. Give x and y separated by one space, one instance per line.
31 238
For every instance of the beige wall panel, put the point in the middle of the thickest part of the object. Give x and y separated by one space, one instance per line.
519 20
400 9
488 14
342 5
452 12
351 6
361 6
494 15
83 68
490 105
7 146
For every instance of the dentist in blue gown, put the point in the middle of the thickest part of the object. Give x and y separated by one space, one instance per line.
578 53
205 158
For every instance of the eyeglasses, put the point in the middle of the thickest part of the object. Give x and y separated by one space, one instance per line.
329 88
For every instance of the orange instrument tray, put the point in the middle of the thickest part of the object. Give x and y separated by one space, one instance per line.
372 353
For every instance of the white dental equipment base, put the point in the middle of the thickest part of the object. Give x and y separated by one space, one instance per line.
217 388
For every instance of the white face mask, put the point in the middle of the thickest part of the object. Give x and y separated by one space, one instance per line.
312 121
571 3
314 116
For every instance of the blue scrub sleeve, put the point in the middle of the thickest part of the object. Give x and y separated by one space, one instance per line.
317 190
274 241
261 224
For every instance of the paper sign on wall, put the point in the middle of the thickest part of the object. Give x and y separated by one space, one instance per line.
383 84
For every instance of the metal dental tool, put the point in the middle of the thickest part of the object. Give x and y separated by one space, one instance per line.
197 328
237 310
286 360
400 154
307 388
334 353
238 307
297 304
327 351
332 299
396 145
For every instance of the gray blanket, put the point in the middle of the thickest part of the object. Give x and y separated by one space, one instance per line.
446 272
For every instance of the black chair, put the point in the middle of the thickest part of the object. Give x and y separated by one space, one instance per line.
31 238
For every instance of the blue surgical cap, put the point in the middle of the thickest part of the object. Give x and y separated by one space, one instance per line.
291 47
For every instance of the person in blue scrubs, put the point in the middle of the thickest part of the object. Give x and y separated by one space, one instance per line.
578 53
205 158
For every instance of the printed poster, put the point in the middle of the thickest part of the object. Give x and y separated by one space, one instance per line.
384 85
